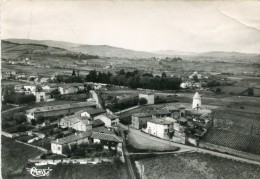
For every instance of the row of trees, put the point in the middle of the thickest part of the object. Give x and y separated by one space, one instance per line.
126 103
136 80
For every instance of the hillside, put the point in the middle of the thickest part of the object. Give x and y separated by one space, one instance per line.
100 50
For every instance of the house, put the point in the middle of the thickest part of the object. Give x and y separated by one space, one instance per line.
30 87
176 111
148 96
49 86
97 123
40 96
77 121
93 112
67 89
195 74
56 110
161 113
139 120
109 140
185 85
159 127
44 80
58 145
109 119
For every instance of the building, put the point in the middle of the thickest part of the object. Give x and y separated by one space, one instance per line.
93 112
108 140
159 127
195 74
109 119
67 89
161 113
196 103
139 120
58 145
77 121
185 85
148 96
176 111
56 110
30 87
40 96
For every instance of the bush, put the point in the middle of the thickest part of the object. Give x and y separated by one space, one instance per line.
19 118
40 119
142 101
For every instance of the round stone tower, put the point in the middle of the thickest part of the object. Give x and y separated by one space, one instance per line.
196 104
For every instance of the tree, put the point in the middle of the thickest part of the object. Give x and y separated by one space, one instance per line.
164 75
40 119
142 101
195 78
73 73
218 90
19 118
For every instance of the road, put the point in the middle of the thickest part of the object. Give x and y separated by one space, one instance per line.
191 148
127 159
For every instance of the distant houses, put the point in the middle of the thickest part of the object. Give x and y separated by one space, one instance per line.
57 110
108 118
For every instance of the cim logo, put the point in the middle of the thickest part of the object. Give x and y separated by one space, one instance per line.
39 172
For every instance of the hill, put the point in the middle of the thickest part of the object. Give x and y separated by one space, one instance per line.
99 50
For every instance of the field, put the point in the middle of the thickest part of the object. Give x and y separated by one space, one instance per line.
15 156
233 140
197 166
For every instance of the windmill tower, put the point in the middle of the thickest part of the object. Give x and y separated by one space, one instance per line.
196 104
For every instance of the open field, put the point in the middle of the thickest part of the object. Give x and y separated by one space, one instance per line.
15 156
197 166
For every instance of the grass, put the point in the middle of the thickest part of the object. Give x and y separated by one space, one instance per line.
140 144
197 166
15 156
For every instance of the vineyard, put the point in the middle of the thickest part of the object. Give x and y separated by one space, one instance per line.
234 140
197 166
238 121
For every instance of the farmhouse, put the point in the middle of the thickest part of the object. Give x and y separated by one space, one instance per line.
92 112
148 96
77 138
57 110
109 119
159 127
176 111
78 122
139 120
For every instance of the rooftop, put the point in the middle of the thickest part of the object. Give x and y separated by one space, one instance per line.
102 130
107 137
61 107
110 116
196 96
161 121
93 111
97 122
142 115
72 138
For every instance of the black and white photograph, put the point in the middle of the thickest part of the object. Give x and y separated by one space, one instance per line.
120 89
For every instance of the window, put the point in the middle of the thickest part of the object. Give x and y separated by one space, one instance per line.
166 130
59 148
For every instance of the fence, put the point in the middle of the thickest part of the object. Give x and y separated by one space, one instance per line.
68 160
222 149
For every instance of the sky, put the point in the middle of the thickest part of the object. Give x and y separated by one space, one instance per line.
195 26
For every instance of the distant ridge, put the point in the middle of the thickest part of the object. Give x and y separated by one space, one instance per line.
110 51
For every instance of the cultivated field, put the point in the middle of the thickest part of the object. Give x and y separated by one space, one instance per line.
197 166
15 157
